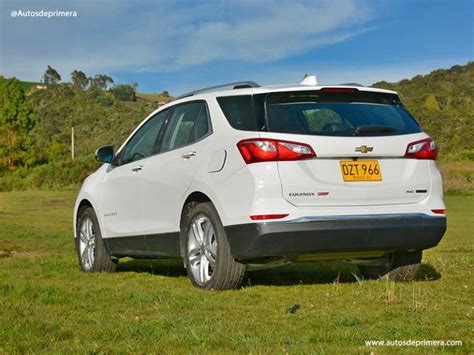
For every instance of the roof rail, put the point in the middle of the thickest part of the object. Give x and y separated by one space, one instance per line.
230 86
352 84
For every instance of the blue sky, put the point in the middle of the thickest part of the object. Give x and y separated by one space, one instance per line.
183 45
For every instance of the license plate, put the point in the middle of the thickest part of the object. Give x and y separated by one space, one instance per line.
360 170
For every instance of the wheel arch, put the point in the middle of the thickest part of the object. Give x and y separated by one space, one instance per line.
191 200
81 203
84 203
80 206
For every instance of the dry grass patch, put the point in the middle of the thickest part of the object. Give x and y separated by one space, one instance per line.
458 177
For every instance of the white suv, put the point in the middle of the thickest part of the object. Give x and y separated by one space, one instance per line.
241 176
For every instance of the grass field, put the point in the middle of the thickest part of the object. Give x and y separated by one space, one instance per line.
47 304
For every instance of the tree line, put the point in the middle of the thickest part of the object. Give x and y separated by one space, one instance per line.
79 80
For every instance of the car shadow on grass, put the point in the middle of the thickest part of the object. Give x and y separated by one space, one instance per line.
163 267
291 274
427 273
321 273
303 274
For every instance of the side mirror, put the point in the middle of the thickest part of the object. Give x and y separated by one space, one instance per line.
105 154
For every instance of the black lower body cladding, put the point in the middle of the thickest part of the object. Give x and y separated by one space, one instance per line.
335 234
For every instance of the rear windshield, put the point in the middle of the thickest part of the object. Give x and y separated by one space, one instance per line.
358 113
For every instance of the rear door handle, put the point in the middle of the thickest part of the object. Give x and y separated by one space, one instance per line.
188 155
137 168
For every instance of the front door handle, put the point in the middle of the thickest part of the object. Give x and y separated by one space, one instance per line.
188 155
137 168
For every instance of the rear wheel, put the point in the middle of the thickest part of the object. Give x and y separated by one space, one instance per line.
400 266
207 255
91 251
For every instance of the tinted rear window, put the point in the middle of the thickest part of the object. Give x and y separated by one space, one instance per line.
321 113
241 112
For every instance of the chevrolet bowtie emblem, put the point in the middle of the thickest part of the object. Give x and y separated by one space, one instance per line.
364 149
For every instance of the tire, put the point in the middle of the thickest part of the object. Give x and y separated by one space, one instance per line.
400 266
207 255
95 249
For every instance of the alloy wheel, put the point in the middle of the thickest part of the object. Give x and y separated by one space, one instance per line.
87 243
202 248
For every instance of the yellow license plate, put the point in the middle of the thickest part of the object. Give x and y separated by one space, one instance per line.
360 170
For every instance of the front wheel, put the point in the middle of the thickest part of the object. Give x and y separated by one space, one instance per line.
208 259
400 266
91 251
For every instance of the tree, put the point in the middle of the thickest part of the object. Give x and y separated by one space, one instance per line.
100 96
79 79
51 76
124 92
17 119
101 81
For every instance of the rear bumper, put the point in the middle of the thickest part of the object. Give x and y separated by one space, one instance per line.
334 234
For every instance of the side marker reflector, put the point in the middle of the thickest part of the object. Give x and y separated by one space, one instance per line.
261 217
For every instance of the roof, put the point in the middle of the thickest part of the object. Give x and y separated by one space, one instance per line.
251 88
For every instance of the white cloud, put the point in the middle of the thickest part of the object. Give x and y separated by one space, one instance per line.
162 36
281 29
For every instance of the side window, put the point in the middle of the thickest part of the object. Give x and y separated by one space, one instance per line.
201 127
188 123
239 112
142 144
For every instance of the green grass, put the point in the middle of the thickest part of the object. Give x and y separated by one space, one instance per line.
48 305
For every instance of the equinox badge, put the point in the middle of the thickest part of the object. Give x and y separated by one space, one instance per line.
364 149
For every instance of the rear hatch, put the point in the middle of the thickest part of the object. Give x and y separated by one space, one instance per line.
359 136
321 181
360 139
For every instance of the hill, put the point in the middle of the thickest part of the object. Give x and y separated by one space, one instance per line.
25 85
155 98
98 118
443 102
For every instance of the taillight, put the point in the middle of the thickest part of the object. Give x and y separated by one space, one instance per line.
424 149
262 149
439 211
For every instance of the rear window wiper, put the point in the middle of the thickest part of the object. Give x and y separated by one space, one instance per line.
360 130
